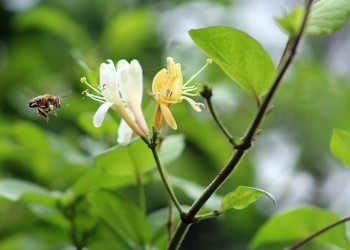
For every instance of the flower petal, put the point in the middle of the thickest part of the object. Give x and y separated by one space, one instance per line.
107 74
158 118
158 81
129 78
168 116
124 133
101 113
140 119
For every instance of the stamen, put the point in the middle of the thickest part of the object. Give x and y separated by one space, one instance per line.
83 80
168 92
190 94
96 98
207 62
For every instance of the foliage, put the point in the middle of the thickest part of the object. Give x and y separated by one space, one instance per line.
239 55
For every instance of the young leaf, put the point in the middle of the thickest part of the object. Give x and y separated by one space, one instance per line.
122 215
328 16
297 224
340 145
291 22
239 55
242 197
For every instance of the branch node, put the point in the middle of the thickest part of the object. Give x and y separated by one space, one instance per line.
185 220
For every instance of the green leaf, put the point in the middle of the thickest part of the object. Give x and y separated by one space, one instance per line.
340 145
242 197
39 200
291 22
13 190
328 16
122 215
297 224
125 160
171 148
108 128
99 179
239 55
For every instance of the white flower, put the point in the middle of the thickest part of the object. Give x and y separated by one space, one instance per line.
120 89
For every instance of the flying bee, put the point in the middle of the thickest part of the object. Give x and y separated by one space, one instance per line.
45 105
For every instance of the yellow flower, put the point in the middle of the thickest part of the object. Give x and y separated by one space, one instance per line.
168 89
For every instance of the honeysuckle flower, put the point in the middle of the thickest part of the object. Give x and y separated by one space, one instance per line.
168 89
120 88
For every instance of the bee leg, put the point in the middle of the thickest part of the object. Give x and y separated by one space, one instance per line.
43 113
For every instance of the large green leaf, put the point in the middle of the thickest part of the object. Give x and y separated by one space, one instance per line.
340 145
99 179
239 55
242 197
122 216
328 16
297 224
39 200
121 160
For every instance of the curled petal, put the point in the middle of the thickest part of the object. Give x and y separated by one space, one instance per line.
101 113
168 116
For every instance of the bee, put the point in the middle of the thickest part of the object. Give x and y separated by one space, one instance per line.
45 105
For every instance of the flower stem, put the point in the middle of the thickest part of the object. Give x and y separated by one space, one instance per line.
302 242
188 218
164 177
207 93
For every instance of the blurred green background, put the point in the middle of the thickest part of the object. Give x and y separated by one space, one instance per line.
47 46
